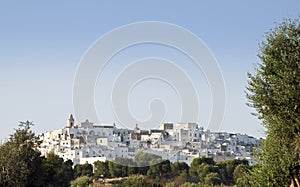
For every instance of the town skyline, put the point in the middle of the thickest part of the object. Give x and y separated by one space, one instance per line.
42 45
176 142
157 126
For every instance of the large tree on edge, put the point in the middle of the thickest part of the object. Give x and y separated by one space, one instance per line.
274 91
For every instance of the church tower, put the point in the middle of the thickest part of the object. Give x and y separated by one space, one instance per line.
70 123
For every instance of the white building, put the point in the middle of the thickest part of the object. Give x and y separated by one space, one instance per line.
87 142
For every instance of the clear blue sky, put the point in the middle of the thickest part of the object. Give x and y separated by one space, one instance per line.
41 44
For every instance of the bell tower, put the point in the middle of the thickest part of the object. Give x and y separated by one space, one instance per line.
70 123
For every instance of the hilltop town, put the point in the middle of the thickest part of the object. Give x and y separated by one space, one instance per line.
182 142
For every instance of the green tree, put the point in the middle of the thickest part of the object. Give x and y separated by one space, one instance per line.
170 184
82 181
116 170
132 170
223 171
136 181
212 179
68 170
101 169
240 172
178 167
193 171
56 171
204 169
181 179
20 161
146 159
161 169
83 170
13 171
22 164
240 175
230 167
274 91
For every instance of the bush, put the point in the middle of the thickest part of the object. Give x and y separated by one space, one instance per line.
81 182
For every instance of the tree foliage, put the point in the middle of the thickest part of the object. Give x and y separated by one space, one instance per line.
83 170
146 159
212 179
101 169
274 91
161 169
194 169
179 167
56 171
22 164
82 181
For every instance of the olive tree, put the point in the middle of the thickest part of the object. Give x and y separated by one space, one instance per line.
274 91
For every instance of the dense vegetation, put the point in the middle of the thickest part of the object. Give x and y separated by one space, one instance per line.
202 172
274 91
22 165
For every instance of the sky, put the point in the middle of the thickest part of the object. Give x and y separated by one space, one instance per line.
42 44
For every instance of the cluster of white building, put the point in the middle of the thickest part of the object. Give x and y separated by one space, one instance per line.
87 142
